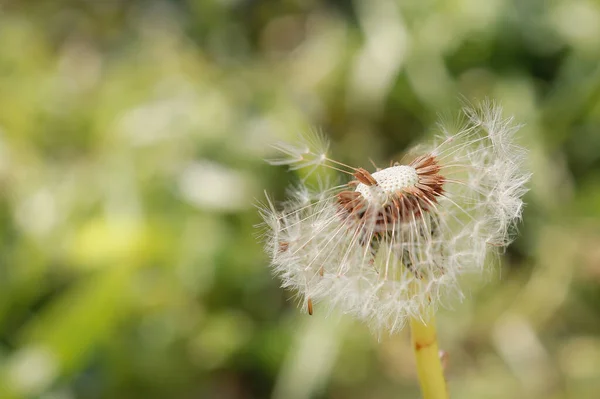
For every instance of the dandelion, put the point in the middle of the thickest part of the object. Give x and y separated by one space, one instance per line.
389 246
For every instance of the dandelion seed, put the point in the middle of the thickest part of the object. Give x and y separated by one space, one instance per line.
310 150
387 243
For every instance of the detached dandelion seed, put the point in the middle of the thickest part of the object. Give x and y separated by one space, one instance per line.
389 246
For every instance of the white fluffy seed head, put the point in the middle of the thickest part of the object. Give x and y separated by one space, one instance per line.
389 181
383 260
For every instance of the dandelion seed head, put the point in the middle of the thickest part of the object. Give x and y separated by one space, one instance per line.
388 243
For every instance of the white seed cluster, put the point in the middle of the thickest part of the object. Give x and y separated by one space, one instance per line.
389 181
384 277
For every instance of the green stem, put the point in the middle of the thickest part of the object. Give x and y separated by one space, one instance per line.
429 366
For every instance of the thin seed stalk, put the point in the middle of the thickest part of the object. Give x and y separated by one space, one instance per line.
429 365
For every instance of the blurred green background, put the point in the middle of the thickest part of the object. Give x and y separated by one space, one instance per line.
132 139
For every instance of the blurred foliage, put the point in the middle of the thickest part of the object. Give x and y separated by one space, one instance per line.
132 135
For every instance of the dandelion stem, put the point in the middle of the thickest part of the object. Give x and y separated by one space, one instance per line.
429 366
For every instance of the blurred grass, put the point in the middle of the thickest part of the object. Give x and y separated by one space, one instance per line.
131 143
